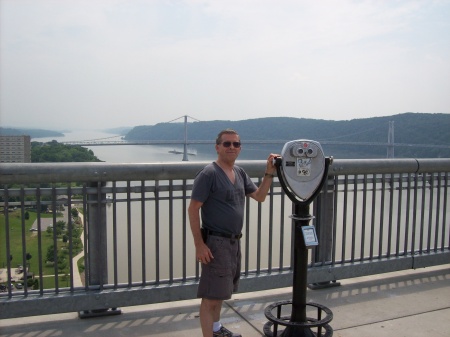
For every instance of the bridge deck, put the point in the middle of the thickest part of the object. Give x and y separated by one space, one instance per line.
407 303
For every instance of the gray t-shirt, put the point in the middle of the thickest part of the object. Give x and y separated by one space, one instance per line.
223 202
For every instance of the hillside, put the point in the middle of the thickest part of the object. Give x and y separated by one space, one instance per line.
410 128
33 133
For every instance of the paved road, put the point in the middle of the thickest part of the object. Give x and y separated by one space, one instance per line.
45 222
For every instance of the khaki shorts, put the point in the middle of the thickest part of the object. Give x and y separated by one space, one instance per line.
220 278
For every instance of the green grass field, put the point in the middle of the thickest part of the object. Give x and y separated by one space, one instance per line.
16 233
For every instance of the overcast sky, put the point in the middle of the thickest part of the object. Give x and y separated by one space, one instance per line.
107 63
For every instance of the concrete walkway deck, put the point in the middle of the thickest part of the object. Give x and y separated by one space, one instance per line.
412 303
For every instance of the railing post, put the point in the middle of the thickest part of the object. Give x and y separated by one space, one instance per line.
96 231
97 248
324 211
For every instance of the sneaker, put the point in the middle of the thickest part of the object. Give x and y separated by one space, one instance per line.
224 332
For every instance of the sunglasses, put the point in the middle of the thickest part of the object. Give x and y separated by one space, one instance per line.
235 144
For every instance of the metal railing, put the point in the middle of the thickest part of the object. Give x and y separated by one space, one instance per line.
132 232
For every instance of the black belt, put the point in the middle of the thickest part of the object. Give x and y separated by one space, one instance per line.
224 235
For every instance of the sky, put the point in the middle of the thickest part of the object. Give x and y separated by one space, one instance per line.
97 64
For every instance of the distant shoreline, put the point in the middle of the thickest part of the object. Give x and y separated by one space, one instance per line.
33 133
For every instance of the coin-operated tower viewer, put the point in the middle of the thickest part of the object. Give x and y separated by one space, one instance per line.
302 170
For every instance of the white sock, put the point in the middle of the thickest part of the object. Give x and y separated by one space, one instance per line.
217 326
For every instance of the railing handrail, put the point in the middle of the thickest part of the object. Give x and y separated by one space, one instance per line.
101 172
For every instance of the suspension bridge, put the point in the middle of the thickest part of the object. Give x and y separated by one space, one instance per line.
117 140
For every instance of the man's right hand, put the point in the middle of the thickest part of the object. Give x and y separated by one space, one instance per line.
203 253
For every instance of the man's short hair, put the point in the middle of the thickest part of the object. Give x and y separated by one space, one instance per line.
225 132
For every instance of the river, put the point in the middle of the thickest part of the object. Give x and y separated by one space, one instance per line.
152 153
156 153
147 154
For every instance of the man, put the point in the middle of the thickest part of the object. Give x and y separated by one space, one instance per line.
219 193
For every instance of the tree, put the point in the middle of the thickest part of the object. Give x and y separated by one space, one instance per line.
62 265
60 226
33 283
74 213
50 257
57 152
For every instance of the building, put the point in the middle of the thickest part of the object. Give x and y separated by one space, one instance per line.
15 149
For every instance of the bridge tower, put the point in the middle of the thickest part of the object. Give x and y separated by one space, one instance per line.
390 148
185 149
